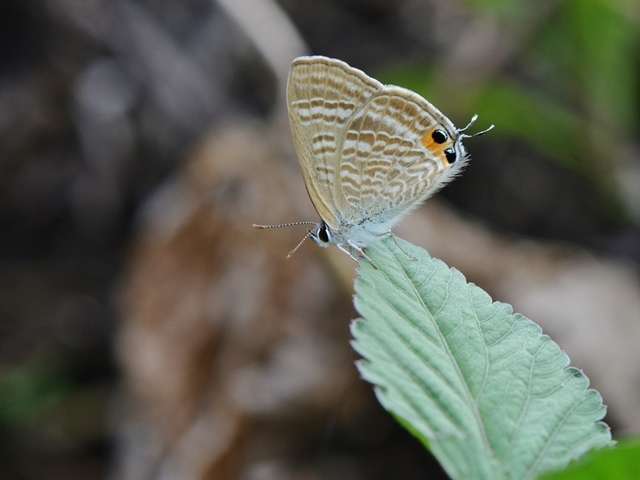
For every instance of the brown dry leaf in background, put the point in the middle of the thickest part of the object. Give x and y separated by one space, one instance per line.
234 357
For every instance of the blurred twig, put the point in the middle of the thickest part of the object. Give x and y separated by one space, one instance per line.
272 34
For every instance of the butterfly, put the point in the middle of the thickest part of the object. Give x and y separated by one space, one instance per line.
369 153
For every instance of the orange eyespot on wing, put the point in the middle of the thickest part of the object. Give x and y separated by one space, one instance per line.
440 143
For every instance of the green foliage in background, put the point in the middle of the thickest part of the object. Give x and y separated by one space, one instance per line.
481 387
30 392
619 463
565 82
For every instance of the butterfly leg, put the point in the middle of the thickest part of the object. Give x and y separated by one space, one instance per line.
400 246
347 252
362 252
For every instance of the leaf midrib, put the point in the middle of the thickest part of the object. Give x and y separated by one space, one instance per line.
469 396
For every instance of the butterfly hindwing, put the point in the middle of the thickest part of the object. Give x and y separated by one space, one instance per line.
389 162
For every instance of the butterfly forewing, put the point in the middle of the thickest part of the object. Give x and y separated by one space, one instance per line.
323 95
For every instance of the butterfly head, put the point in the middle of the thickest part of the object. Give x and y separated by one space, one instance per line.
321 235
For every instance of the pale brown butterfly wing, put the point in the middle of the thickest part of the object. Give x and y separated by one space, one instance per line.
323 94
389 159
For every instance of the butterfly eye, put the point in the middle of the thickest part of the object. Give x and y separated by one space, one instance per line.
450 154
439 136
323 234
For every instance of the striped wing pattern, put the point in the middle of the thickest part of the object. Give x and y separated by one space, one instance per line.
323 94
367 151
387 164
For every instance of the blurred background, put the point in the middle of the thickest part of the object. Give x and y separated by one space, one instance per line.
146 331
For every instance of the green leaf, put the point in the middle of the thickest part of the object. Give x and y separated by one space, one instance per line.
481 387
619 463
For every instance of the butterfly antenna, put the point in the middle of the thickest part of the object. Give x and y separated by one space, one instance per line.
293 224
299 243
284 225
471 122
